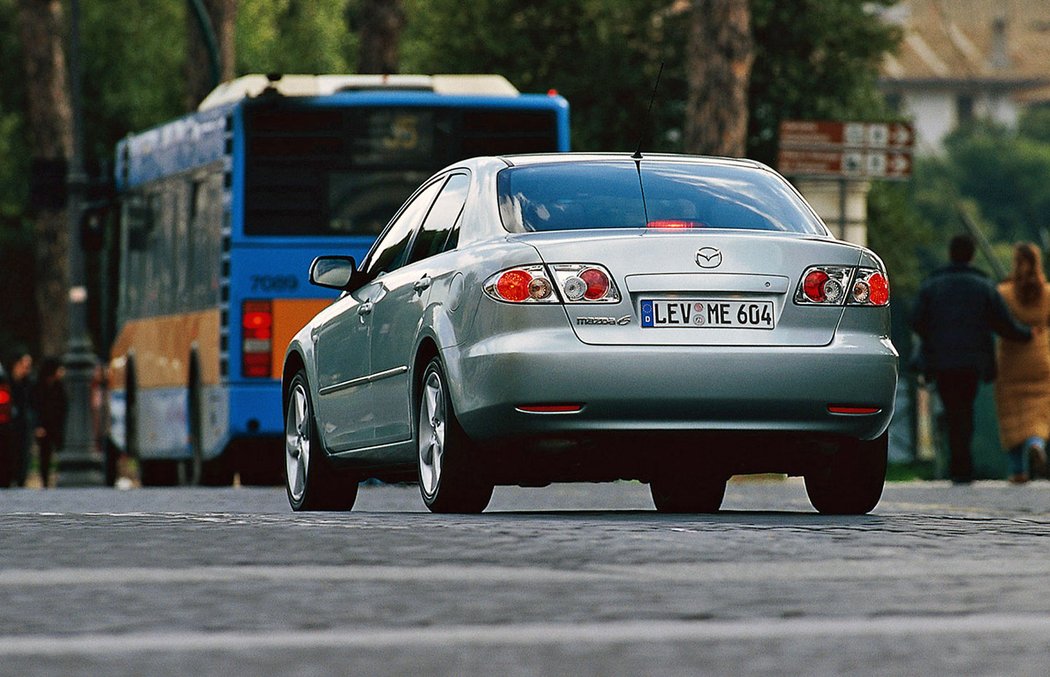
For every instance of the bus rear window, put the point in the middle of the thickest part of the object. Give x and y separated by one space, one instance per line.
346 171
615 194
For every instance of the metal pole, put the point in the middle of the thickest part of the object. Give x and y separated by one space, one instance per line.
79 463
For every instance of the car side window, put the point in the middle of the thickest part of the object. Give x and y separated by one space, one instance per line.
388 253
442 222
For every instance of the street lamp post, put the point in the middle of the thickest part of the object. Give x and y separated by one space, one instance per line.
79 463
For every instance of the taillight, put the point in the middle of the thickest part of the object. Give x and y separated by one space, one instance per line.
835 285
527 284
585 283
257 339
870 288
5 404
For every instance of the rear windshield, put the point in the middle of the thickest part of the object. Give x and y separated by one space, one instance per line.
609 194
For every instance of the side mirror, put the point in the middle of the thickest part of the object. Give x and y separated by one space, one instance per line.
332 271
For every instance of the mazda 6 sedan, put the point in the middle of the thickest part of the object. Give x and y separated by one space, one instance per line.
532 319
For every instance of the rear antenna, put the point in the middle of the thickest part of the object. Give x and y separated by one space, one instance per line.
648 115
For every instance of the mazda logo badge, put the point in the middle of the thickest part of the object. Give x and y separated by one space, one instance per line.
708 257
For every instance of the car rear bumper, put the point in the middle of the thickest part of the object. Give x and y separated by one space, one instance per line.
653 389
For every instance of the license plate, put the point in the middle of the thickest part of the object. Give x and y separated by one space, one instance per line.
710 313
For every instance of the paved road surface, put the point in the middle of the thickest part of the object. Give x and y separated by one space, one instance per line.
566 580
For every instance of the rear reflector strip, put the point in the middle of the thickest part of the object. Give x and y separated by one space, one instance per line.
549 408
852 410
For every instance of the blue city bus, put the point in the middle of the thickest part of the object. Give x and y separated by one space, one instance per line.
221 212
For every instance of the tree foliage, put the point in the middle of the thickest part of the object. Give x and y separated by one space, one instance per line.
814 60
294 36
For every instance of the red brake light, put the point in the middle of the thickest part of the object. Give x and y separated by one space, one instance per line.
257 339
597 284
880 290
673 224
513 285
813 287
5 404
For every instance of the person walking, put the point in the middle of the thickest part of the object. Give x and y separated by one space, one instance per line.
957 313
1022 391
22 417
51 405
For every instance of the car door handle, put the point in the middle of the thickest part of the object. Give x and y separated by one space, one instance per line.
365 308
422 284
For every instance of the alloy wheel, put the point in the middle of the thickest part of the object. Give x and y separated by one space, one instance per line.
431 433
297 442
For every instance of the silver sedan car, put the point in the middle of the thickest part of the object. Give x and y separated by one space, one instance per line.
524 320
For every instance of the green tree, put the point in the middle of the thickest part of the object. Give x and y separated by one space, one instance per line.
815 59
294 36
602 55
1007 175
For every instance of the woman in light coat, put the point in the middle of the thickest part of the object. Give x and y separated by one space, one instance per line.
1022 390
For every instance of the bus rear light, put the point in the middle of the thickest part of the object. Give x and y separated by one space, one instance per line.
5 404
257 339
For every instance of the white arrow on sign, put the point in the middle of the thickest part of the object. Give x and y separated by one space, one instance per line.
900 135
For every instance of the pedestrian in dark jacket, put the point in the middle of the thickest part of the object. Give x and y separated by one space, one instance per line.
957 313
22 415
51 404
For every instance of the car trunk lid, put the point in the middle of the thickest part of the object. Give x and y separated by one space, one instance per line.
699 288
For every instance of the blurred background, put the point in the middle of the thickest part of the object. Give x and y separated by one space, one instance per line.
971 78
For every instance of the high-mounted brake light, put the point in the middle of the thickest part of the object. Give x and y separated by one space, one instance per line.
672 223
257 339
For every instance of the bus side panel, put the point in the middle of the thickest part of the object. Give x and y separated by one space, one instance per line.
160 349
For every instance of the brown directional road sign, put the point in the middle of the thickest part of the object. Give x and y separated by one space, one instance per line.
828 148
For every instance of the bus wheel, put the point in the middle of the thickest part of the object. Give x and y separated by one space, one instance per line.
310 480
158 473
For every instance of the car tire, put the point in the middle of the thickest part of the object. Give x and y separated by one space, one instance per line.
310 480
450 479
851 482
686 492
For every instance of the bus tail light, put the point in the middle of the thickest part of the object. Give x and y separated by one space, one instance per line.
257 339
5 403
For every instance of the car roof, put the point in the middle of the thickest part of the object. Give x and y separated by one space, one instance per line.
558 158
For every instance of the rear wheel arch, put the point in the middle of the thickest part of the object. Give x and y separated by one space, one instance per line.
425 352
293 364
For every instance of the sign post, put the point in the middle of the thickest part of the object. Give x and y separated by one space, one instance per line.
818 154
